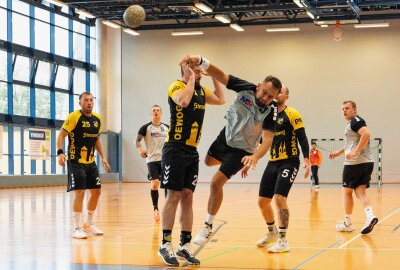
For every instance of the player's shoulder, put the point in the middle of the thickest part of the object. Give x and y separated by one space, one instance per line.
96 115
76 114
176 85
357 119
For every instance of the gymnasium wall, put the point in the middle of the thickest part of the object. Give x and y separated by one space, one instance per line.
319 72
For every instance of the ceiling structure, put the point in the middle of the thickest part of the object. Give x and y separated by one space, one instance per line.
177 14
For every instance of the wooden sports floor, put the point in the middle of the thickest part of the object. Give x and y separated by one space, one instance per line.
35 231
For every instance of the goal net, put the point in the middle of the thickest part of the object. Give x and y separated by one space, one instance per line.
331 170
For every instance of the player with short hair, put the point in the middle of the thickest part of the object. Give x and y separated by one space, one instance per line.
358 167
83 128
281 171
154 134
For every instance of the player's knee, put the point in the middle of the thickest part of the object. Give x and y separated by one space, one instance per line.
155 184
95 192
280 200
263 201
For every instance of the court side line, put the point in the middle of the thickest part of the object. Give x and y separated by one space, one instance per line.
358 235
317 254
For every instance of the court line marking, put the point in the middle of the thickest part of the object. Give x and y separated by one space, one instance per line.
197 251
317 254
358 235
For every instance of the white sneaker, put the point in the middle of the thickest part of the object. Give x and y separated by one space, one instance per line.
342 227
316 188
280 246
369 224
268 238
79 234
92 229
203 236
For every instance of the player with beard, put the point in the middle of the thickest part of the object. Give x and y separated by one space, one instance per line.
250 117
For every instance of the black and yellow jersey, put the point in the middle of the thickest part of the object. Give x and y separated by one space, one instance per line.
82 136
186 123
285 144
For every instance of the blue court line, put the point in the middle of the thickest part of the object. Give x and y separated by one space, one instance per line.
317 254
395 228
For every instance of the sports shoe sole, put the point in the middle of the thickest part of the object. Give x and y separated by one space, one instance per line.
369 229
184 259
280 251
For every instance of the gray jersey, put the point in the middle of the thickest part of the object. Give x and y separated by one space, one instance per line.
352 139
246 119
154 138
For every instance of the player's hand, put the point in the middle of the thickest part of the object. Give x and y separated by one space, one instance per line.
143 153
351 155
106 165
191 59
332 155
61 160
250 161
245 171
187 70
306 167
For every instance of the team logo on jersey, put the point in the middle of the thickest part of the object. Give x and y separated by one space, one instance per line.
154 134
66 123
279 121
96 124
246 101
166 174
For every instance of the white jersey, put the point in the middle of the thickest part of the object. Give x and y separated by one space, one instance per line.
154 138
351 141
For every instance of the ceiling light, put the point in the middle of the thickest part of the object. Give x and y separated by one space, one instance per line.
283 29
298 3
57 3
371 25
236 27
223 18
324 25
187 33
310 14
131 32
203 7
85 13
111 24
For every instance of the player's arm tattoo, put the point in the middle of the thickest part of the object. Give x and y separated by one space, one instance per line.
284 217
138 139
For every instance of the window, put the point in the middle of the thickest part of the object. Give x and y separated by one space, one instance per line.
20 7
93 50
4 157
22 69
42 109
61 40
62 106
3 65
17 151
42 14
21 100
79 81
43 73
79 42
62 79
20 22
3 23
3 98
3 3
42 36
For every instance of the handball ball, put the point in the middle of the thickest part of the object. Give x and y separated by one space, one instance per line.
134 16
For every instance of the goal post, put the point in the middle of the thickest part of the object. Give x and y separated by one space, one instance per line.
331 170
